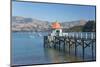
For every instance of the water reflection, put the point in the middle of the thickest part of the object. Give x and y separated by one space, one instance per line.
56 57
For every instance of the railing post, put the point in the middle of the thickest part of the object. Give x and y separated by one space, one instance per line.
91 35
73 35
86 35
81 35
77 35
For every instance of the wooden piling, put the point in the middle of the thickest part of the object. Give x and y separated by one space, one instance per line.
83 49
64 44
54 41
69 47
59 45
45 43
75 48
92 51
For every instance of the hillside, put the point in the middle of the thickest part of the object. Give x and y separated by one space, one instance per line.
30 24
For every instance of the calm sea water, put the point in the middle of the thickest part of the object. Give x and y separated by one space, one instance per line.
27 48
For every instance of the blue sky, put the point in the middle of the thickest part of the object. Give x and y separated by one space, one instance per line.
52 12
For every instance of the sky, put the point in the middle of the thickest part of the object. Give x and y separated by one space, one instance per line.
51 12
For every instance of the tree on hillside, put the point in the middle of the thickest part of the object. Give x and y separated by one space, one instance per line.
89 26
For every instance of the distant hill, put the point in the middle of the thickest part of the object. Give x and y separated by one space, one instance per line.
90 26
74 23
31 24
75 29
28 24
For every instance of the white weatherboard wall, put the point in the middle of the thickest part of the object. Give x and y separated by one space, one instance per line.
5 33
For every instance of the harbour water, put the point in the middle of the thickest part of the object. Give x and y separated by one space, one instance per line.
27 48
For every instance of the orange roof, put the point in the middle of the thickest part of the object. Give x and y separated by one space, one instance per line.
56 25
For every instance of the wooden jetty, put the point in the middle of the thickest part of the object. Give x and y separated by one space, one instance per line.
68 43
